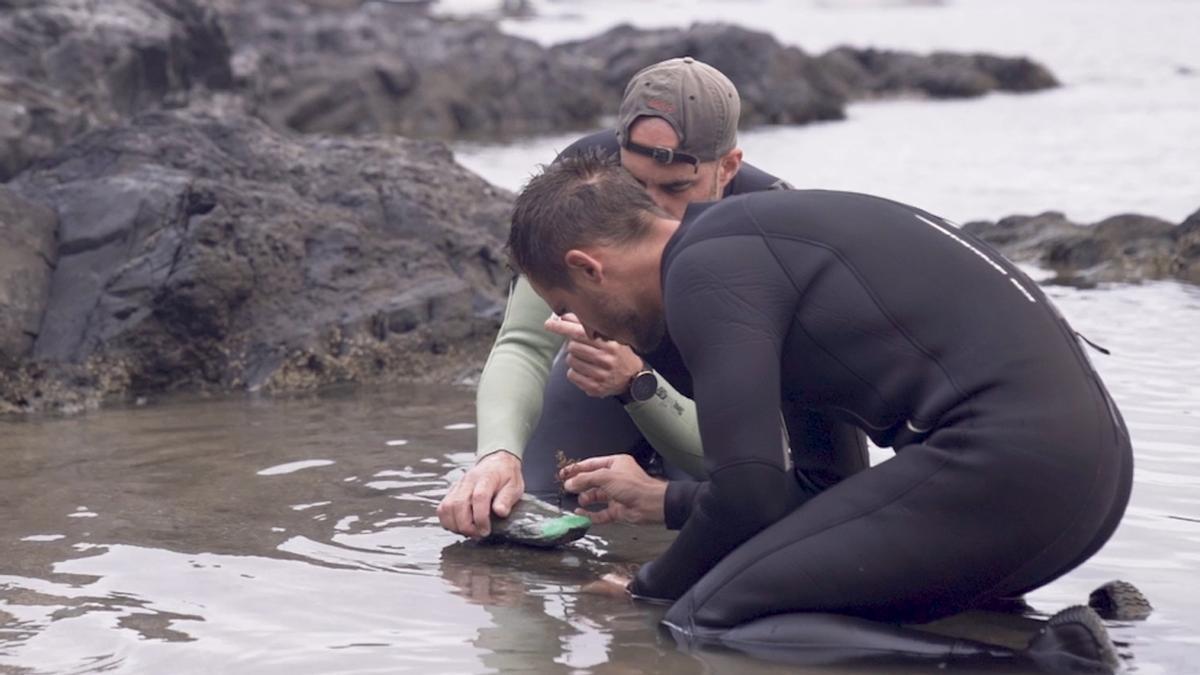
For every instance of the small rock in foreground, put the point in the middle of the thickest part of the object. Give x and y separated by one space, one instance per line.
536 523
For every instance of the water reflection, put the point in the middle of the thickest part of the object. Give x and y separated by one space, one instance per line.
257 535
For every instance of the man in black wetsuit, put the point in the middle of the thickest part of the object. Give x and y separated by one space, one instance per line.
677 134
1012 463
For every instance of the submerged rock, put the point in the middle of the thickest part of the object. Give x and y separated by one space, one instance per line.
533 522
1123 248
196 251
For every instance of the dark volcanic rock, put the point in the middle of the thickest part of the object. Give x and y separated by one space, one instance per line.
203 252
379 68
784 85
27 254
1186 264
778 85
1122 248
67 65
868 73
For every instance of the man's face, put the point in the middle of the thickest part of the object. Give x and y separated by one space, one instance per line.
671 186
607 310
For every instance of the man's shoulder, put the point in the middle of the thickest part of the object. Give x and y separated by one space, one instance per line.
750 178
605 140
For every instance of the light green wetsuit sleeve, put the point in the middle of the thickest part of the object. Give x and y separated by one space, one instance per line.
512 384
668 421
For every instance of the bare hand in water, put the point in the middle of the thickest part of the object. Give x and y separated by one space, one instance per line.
493 484
631 495
614 585
599 367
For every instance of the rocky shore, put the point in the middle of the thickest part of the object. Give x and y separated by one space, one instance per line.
190 250
222 194
1127 248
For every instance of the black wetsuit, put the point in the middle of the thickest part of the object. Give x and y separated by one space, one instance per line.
582 426
1012 464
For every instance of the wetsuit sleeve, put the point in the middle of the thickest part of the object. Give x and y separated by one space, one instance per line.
728 306
668 421
509 400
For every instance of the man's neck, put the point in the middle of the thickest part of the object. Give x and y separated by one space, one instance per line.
661 231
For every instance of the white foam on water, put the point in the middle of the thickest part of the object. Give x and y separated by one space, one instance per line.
292 467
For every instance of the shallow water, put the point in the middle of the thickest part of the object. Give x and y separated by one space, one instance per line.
1121 135
255 535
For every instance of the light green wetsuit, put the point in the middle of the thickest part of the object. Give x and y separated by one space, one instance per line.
512 385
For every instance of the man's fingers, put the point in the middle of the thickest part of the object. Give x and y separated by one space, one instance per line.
584 465
585 369
603 356
508 495
568 329
456 514
592 496
582 482
599 517
481 508
585 384
445 510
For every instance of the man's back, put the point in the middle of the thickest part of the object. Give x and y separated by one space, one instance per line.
893 316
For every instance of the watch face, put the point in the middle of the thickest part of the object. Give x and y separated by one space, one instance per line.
643 386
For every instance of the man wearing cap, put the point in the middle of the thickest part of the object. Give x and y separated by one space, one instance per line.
677 135
1012 465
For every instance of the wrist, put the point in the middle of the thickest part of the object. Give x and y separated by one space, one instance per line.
656 500
640 387
499 455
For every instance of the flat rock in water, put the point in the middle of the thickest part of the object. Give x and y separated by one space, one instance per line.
536 523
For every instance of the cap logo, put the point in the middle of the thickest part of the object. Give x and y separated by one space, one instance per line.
660 105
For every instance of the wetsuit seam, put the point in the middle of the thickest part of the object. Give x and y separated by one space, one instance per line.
761 234
771 552
874 299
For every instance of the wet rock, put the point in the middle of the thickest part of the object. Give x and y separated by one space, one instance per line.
69 65
535 523
1123 248
196 251
381 68
1186 263
778 85
873 73
784 85
27 256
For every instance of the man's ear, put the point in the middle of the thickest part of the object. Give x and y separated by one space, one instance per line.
729 165
583 266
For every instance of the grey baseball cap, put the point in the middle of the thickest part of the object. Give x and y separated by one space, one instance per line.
697 100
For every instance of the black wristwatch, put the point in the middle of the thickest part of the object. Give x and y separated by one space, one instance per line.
641 387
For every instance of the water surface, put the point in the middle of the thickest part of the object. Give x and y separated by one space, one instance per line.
257 535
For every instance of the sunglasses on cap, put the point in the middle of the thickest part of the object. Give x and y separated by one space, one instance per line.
664 155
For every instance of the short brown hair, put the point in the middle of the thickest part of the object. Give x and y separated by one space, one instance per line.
579 200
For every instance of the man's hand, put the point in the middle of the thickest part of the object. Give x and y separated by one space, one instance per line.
612 584
617 480
493 484
599 367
